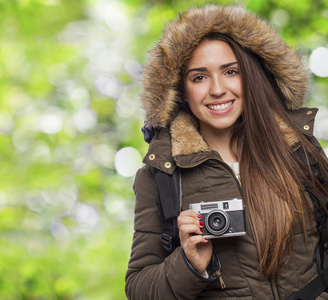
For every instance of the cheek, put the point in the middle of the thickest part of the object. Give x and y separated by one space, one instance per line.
195 94
236 87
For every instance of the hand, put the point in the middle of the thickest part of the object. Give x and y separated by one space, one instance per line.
197 248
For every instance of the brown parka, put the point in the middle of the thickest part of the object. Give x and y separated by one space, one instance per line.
152 272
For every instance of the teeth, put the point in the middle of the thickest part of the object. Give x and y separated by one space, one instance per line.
220 106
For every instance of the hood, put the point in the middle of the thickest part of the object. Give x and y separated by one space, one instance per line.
162 74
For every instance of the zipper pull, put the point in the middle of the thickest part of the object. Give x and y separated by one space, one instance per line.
219 274
238 177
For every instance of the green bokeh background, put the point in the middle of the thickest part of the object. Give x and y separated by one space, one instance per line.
69 88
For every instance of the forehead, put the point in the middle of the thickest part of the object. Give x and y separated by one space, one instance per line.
211 52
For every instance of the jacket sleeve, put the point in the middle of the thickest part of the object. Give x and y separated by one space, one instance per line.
152 273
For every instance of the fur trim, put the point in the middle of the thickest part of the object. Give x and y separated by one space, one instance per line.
161 76
186 138
288 133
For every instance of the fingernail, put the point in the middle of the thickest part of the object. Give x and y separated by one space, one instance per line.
201 223
199 217
202 231
206 239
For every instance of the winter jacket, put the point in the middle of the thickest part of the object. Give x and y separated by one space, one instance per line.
152 272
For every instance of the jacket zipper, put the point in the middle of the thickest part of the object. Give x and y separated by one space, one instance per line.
234 175
219 274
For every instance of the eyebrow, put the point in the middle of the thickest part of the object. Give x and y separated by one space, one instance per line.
205 69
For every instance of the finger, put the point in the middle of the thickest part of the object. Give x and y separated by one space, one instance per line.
190 245
198 239
190 217
190 213
189 229
183 220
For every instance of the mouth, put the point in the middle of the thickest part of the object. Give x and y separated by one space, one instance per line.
220 107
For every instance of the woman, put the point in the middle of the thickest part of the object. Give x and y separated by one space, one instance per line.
223 95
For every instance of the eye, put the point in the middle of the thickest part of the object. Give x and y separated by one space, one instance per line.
198 78
231 72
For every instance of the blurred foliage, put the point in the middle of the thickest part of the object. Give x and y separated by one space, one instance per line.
69 85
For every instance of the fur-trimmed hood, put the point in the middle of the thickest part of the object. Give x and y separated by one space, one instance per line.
162 75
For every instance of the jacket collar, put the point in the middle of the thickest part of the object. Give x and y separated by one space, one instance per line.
186 138
177 145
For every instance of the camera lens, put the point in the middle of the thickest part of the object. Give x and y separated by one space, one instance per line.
217 222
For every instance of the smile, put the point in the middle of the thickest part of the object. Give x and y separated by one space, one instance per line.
220 107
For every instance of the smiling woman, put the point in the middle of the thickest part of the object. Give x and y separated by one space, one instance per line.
225 122
69 79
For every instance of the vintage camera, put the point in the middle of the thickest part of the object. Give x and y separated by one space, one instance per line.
222 218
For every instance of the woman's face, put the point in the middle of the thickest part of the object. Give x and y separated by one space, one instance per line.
213 86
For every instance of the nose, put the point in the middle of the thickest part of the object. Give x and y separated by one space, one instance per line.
218 87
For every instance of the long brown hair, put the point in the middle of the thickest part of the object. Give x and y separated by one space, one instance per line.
272 175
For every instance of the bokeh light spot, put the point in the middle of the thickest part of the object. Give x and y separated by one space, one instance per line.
280 17
85 214
59 231
319 62
115 16
50 124
127 161
85 119
6 122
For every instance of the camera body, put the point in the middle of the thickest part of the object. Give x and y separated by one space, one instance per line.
222 218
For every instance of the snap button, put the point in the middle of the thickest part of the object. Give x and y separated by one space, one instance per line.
309 112
167 165
306 127
152 156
